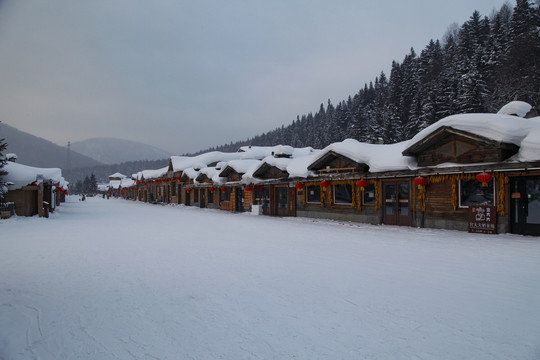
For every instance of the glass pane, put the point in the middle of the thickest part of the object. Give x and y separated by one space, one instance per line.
343 194
282 198
403 199
313 194
471 192
369 195
390 199
533 198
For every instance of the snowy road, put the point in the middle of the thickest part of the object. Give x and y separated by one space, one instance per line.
123 280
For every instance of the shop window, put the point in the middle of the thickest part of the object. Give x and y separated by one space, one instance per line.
313 194
368 196
343 194
471 192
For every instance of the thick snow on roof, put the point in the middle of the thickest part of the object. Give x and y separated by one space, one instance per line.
21 175
117 175
191 173
213 174
519 108
379 157
501 128
242 166
152 174
180 163
115 184
125 183
261 152
295 167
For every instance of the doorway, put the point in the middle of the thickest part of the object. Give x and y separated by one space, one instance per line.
525 205
396 203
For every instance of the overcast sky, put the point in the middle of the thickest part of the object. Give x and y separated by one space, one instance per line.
186 75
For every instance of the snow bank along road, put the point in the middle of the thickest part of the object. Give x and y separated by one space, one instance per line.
123 280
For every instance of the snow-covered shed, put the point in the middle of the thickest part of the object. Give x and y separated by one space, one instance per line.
32 189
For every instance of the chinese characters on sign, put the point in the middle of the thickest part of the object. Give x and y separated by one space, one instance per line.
482 219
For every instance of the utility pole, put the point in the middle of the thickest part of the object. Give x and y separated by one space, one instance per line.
68 162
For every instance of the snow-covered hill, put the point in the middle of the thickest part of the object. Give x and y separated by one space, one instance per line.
115 151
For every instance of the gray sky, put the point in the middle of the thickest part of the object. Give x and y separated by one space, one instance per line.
186 75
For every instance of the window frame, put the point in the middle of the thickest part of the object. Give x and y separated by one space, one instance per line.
307 194
334 193
491 187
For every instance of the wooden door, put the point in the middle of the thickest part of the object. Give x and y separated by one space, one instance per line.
525 205
396 207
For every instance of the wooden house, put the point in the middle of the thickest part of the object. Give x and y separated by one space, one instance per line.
233 196
32 190
453 152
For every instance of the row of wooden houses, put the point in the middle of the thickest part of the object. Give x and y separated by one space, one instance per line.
471 172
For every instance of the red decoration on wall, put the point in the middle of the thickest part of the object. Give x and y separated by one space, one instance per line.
362 183
212 189
299 186
257 187
248 188
224 189
484 178
325 184
188 189
420 181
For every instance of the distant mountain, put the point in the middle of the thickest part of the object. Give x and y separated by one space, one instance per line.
35 151
115 151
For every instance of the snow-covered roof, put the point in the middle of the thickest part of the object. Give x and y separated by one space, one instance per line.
126 183
181 163
20 175
213 174
379 157
295 167
524 133
261 152
242 166
117 176
519 108
152 174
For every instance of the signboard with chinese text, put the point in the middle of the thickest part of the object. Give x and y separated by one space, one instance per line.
482 219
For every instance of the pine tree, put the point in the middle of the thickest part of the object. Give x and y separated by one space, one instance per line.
522 60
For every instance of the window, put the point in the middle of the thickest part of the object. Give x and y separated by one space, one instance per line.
210 197
173 190
313 194
225 195
471 192
196 195
342 194
368 197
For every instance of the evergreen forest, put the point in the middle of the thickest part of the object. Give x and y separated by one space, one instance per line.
477 67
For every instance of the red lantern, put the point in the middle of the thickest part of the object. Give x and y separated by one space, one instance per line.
223 189
248 188
484 178
325 184
362 183
299 186
212 189
420 181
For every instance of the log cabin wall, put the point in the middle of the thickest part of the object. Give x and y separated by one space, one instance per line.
326 208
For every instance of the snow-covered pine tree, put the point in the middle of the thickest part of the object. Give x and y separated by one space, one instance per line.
3 161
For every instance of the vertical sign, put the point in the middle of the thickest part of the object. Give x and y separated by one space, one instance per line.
482 219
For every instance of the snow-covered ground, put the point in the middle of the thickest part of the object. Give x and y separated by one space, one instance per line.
115 279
